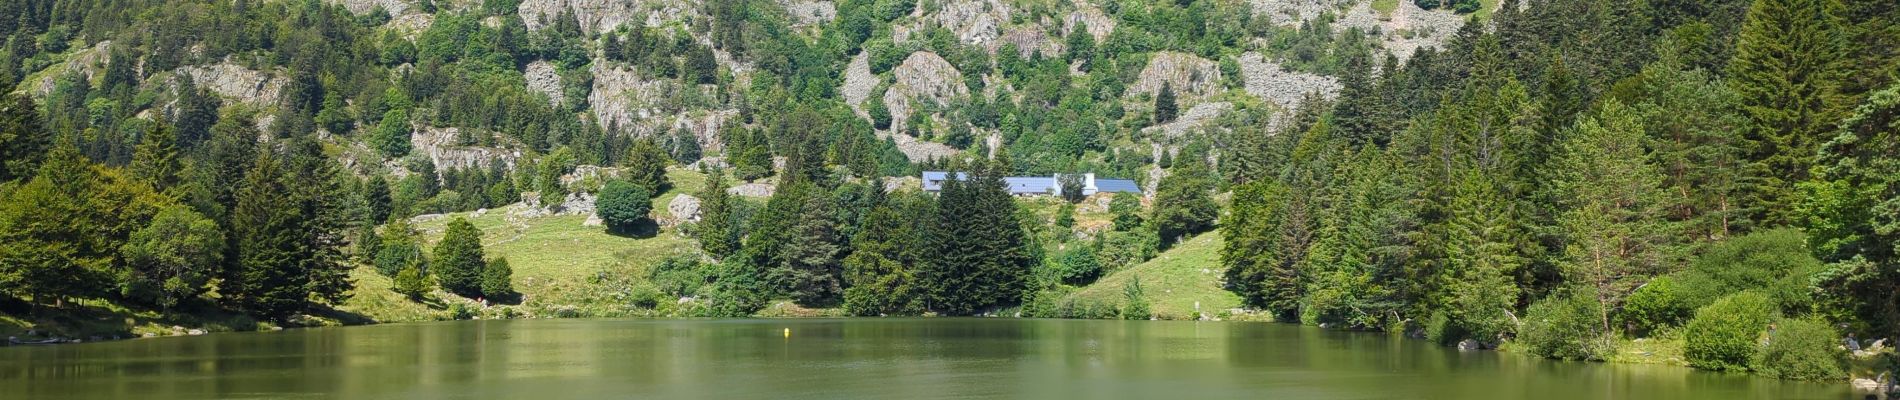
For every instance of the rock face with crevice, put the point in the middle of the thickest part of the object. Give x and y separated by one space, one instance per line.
620 97
1189 75
1099 23
923 77
236 82
1195 117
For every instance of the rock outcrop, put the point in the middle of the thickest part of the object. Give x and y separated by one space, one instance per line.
440 145
1099 23
684 208
810 13
858 80
620 97
1195 117
605 15
236 82
1189 75
543 78
1268 81
86 62
923 77
361 7
1407 29
1293 12
754 189
977 22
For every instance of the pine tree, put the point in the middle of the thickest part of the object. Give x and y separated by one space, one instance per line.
155 159
412 282
458 262
646 166
48 243
496 279
1853 212
1165 107
879 274
376 195
23 140
1613 208
811 260
196 113
718 232
269 278
323 217
982 262
1786 69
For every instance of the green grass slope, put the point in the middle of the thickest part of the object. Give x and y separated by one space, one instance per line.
1173 282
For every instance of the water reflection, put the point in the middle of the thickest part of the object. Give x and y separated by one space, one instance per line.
828 359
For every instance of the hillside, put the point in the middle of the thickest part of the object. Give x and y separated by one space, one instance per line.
1177 283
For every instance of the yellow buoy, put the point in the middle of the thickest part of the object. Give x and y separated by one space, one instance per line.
788 332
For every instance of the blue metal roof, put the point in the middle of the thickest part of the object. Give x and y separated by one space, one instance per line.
1030 185
1117 186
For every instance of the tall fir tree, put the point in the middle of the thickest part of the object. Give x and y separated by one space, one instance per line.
718 231
23 139
1787 69
268 278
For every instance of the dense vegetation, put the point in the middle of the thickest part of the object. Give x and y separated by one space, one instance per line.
1558 175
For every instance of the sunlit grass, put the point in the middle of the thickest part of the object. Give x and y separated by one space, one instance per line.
1173 282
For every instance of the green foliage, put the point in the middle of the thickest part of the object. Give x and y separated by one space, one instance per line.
1567 326
1776 263
1725 335
1135 301
1183 205
1078 266
458 261
679 275
411 282
497 279
1465 6
392 135
980 249
718 229
1786 70
646 167
1126 208
400 247
1664 302
1853 214
1802 349
23 141
623 204
172 259
1165 105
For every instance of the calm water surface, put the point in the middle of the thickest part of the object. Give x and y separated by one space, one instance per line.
834 359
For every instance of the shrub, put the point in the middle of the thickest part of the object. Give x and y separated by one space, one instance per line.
679 275
1802 349
1664 302
1776 262
1465 6
1135 302
1723 335
1078 266
1567 326
1426 4
623 204
412 282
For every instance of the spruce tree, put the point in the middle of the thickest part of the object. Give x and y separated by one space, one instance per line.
1165 107
1183 205
376 195
496 279
646 166
155 160
269 277
718 232
1787 69
23 140
981 262
1854 212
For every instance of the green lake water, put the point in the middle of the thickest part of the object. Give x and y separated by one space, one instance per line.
941 358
